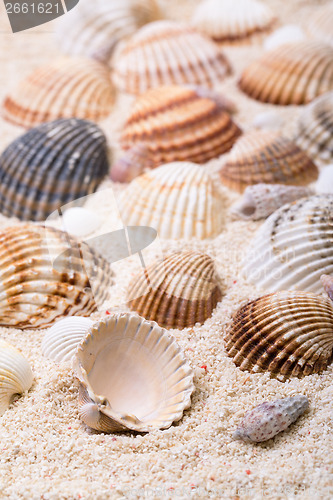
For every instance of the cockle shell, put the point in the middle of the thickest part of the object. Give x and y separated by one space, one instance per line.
266 157
319 25
294 73
293 247
46 274
270 418
177 292
324 183
65 88
15 374
179 200
290 33
133 376
168 53
49 166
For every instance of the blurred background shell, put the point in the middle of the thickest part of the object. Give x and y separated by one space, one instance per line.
65 88
293 247
168 53
293 73
45 274
324 183
288 33
177 292
319 25
51 165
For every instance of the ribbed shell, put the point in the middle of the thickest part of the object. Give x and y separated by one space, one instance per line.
266 157
49 166
177 292
168 53
293 247
65 88
179 200
320 23
284 333
46 274
290 74
133 376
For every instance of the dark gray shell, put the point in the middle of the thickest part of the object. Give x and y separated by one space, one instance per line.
51 165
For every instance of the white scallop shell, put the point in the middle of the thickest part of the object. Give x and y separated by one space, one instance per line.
324 183
80 221
289 33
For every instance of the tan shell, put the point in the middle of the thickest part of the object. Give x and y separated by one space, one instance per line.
293 73
177 292
320 23
266 157
168 53
66 88
133 376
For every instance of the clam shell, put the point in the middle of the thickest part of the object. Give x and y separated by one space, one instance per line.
290 74
290 33
65 88
168 53
179 200
15 374
324 183
320 23
266 157
45 274
293 247
49 166
133 376
284 333
178 291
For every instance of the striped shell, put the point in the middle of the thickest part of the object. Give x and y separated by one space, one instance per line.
290 74
179 200
266 157
284 333
293 247
65 88
133 376
320 23
178 291
49 166
46 274
168 53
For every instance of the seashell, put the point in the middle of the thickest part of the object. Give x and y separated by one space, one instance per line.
80 221
270 418
324 183
174 124
293 247
178 291
290 74
49 166
45 274
15 375
227 22
319 24
284 333
179 200
290 33
327 282
168 53
268 120
61 340
65 88
133 376
266 157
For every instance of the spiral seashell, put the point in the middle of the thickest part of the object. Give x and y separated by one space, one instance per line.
289 33
133 376
168 53
266 157
294 73
65 88
320 23
178 291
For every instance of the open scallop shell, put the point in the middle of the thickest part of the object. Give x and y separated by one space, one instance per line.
294 73
319 25
178 291
133 376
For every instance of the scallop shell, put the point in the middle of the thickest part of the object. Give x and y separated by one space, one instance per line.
168 53
290 74
45 274
293 247
266 157
15 374
178 291
290 33
65 88
324 183
133 376
284 333
179 200
319 25
49 166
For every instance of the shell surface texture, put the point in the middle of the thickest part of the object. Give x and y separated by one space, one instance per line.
177 292
321 22
133 376
270 418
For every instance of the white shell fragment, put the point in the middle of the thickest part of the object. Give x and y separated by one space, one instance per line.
324 183
269 120
80 221
289 33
